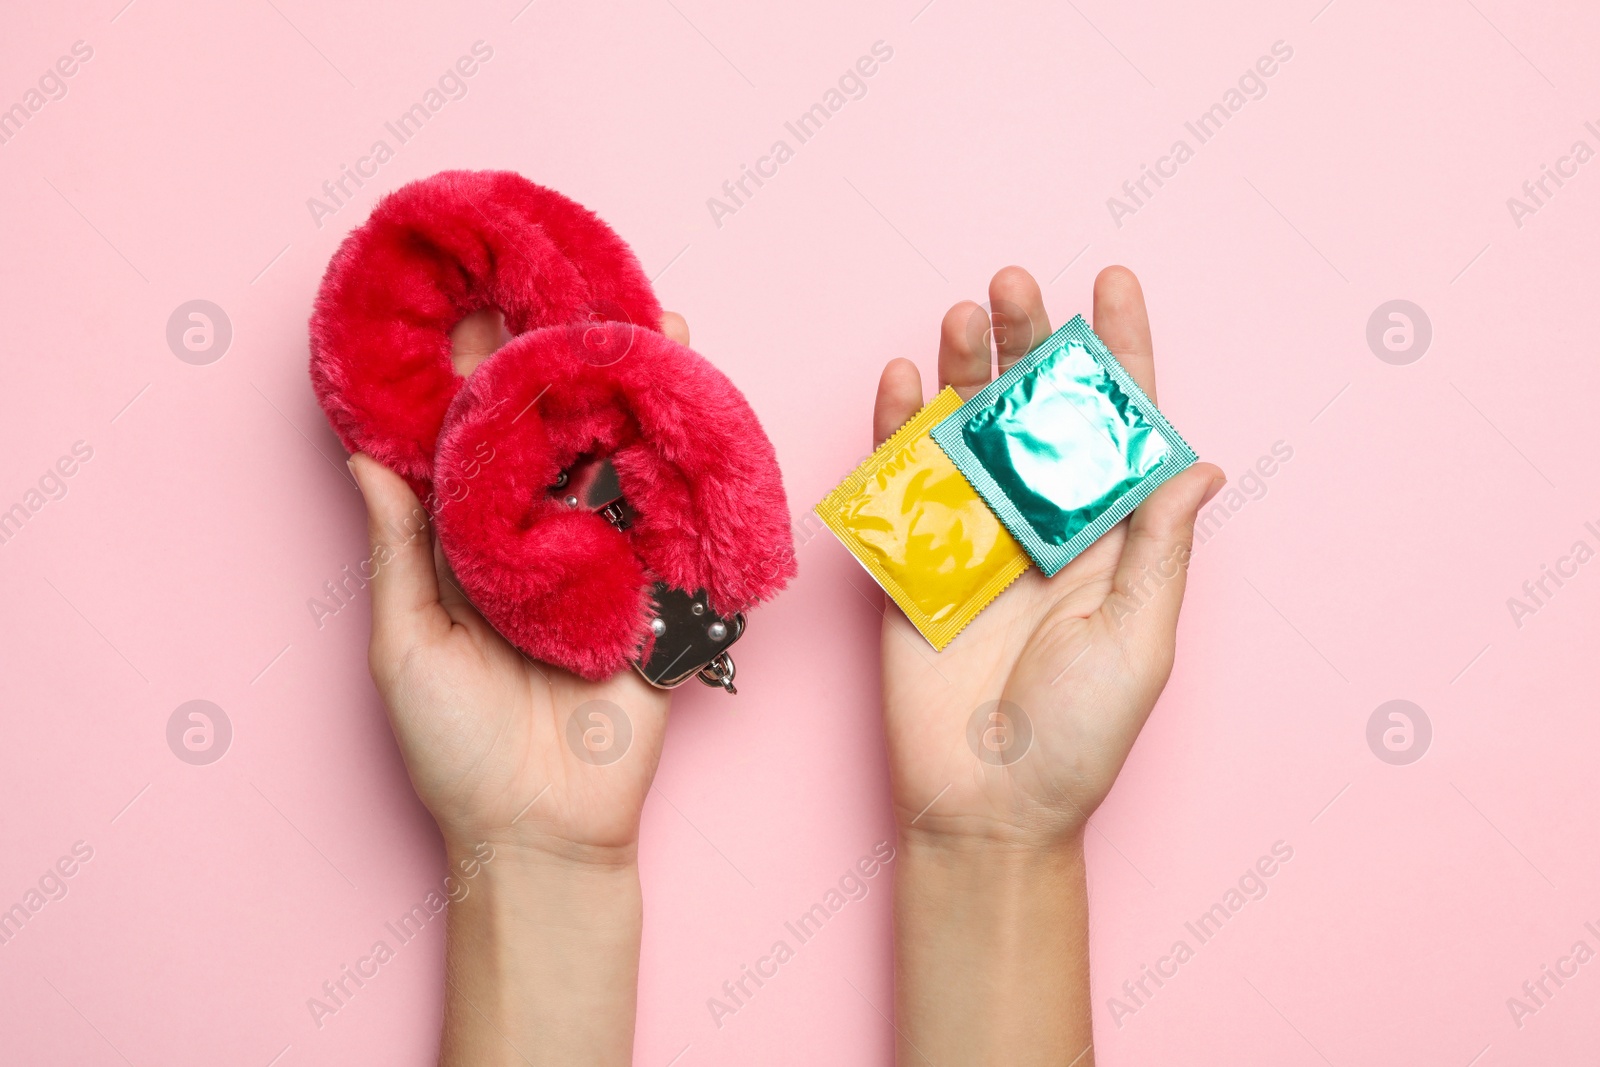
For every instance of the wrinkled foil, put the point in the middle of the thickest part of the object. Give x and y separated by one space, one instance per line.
921 531
1063 445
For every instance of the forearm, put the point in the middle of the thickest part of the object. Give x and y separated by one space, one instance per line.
992 955
542 964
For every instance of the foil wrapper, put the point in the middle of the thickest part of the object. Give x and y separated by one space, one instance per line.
915 523
1063 445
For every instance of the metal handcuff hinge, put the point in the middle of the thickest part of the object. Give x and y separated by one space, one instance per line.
691 640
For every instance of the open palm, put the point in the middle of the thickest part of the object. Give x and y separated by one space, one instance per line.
1017 729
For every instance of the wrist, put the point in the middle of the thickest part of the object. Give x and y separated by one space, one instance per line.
533 850
542 957
532 876
532 845
996 841
991 950
943 861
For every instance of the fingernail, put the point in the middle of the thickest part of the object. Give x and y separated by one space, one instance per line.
1214 488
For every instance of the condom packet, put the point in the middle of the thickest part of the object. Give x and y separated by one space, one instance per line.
921 531
1063 445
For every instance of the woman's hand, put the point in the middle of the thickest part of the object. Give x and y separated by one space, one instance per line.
1002 745
487 734
536 778
1075 661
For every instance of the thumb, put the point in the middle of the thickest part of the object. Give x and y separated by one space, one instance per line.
405 588
1147 590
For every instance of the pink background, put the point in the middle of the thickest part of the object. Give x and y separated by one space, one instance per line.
1376 566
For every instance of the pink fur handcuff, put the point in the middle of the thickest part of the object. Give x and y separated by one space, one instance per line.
604 495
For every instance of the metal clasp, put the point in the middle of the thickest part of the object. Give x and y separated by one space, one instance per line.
691 640
719 672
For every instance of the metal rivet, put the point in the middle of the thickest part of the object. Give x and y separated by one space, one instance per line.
658 626
698 609
572 501
718 630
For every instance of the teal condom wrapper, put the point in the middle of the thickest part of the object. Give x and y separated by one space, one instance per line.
1063 445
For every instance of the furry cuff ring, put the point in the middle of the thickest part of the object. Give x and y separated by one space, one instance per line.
603 494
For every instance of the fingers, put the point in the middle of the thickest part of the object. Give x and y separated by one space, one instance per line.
964 359
476 338
1121 322
899 398
676 327
1147 590
405 588
1015 320
451 596
1020 321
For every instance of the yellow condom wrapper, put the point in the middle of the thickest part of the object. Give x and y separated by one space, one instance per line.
919 527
